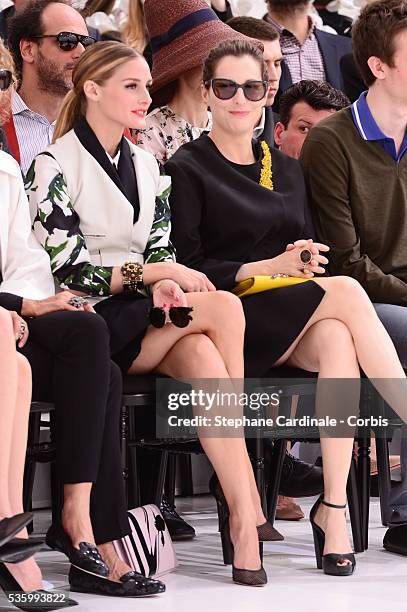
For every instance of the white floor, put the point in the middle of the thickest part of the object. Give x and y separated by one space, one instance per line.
202 583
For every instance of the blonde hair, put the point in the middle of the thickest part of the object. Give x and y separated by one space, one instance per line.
98 64
93 6
135 31
6 63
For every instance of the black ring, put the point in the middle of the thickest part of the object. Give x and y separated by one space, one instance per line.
305 256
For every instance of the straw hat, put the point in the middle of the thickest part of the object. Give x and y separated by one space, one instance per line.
182 33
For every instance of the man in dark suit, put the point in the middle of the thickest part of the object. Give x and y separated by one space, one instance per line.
309 53
302 106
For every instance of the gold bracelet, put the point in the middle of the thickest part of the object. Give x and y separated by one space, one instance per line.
132 274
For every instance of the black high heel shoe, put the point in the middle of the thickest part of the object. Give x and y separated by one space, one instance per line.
10 585
86 558
19 549
9 527
240 576
266 532
329 563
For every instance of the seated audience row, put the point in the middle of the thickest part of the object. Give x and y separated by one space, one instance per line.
238 210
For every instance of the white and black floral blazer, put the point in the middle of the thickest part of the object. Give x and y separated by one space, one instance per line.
89 218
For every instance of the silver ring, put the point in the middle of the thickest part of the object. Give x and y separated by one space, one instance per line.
23 327
77 301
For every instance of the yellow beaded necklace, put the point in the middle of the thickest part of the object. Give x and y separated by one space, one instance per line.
266 173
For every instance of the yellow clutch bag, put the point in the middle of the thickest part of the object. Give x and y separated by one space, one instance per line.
258 284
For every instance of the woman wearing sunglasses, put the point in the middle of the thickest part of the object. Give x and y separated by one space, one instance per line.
60 337
100 209
241 210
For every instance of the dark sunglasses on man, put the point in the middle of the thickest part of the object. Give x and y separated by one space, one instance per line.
179 316
67 41
6 79
225 89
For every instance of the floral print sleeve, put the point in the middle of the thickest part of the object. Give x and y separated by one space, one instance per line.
159 246
57 227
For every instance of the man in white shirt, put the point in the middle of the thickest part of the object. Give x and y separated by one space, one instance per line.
44 61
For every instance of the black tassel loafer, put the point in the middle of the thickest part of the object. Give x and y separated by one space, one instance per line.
86 558
130 585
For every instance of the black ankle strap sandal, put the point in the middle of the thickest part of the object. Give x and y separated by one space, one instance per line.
332 563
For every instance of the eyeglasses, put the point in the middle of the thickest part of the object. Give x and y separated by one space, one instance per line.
179 315
225 89
69 40
6 79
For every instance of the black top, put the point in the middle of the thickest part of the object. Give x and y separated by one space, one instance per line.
222 217
10 301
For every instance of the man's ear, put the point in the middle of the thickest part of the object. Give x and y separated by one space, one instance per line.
28 50
91 90
279 129
376 66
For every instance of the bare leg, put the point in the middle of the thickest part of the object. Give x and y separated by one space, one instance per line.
346 301
76 513
328 347
217 315
367 344
15 395
210 347
195 356
8 399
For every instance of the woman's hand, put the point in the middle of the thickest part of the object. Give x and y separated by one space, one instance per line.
288 262
189 280
316 248
167 292
55 303
20 328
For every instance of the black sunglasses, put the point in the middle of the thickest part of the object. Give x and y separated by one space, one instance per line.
179 315
69 40
225 89
6 79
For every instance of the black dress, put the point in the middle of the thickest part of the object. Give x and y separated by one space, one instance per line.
222 218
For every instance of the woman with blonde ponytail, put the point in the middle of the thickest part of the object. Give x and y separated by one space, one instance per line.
100 210
49 340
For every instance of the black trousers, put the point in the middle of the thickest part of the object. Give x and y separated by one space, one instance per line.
70 361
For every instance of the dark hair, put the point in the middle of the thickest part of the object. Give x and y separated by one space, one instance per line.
254 28
235 48
26 25
287 6
318 94
373 34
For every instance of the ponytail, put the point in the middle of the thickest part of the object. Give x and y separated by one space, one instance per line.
71 111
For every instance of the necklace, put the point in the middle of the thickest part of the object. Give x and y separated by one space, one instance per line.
266 173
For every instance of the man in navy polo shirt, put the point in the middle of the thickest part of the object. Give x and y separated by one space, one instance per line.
355 165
